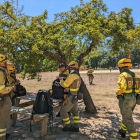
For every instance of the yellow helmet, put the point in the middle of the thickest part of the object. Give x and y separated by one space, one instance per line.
125 62
12 68
3 58
73 65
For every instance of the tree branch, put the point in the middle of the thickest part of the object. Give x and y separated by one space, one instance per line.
84 54
20 46
59 51
55 56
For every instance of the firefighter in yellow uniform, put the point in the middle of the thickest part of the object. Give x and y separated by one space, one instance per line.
90 74
63 71
110 68
5 101
129 87
12 79
72 83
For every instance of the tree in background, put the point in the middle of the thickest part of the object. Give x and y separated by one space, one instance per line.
72 36
104 58
49 65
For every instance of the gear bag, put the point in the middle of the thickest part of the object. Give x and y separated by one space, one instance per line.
20 91
57 90
43 104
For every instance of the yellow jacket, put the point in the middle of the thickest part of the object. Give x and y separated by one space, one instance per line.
90 71
65 73
73 82
110 68
12 82
4 89
125 82
12 79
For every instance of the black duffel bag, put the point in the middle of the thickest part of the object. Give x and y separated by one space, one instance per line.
57 90
43 104
20 91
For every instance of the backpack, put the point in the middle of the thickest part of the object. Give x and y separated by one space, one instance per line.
57 90
20 91
43 104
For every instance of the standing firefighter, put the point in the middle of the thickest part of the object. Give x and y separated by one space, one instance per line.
129 86
110 68
72 83
5 101
89 73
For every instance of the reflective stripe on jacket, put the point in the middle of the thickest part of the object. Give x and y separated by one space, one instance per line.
3 87
73 82
125 82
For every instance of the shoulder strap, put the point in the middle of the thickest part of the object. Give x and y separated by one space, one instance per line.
133 76
14 77
76 72
50 106
36 100
34 107
129 72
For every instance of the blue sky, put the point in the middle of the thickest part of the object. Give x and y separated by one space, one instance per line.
37 7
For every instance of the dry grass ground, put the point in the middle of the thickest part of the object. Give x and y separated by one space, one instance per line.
103 90
103 125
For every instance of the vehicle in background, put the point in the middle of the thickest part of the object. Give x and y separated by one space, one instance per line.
115 68
137 65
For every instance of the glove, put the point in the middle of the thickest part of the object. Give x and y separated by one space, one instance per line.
66 90
65 99
14 88
119 97
12 94
74 99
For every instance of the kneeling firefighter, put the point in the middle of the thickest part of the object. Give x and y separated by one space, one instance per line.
129 87
72 84
5 101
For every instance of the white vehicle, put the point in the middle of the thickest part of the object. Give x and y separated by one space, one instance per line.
137 65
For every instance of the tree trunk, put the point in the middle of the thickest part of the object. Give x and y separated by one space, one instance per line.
90 107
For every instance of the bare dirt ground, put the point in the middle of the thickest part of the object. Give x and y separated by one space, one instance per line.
107 71
101 126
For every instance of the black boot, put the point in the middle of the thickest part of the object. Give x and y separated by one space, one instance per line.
74 129
66 128
7 135
69 113
122 134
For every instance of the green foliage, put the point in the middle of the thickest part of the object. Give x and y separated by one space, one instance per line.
49 65
72 35
104 58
